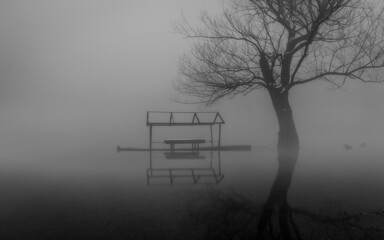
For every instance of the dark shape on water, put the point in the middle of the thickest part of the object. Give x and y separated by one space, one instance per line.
347 147
362 145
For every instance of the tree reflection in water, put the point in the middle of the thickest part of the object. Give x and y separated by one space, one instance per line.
236 217
277 203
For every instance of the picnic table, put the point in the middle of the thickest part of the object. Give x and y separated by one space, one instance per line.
194 142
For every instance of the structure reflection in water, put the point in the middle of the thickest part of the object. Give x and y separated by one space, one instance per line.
184 167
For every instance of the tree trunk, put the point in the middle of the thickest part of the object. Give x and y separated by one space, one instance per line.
288 140
288 148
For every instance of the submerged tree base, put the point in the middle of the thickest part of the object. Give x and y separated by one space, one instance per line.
220 216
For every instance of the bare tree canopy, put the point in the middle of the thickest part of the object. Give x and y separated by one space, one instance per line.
278 44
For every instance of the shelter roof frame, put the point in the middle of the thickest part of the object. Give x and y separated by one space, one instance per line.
194 119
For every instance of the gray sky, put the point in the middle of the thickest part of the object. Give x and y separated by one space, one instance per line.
80 74
76 73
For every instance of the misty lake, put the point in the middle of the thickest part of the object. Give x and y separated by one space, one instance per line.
105 195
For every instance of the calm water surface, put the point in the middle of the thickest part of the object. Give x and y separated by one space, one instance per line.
104 188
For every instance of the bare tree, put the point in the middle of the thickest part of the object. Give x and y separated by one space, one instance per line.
277 45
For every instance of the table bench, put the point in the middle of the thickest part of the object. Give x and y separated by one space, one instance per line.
183 155
195 143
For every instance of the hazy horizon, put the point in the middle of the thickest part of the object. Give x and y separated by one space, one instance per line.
80 75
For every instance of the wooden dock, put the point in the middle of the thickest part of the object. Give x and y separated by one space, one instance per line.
221 148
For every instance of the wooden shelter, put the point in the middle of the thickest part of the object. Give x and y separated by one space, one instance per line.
159 119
